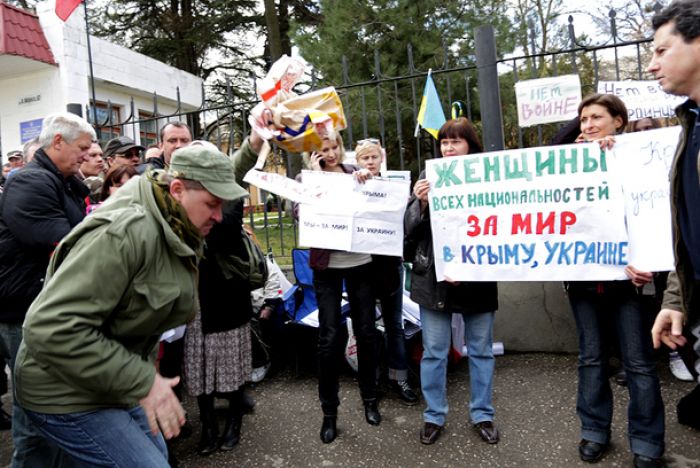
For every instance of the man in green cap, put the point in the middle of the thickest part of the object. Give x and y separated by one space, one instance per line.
85 372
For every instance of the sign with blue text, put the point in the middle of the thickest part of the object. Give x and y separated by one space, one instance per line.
536 214
645 159
643 98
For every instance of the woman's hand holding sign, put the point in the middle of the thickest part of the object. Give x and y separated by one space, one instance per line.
420 190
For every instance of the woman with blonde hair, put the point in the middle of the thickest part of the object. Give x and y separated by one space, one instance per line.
331 268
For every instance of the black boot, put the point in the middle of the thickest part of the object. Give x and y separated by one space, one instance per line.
248 402
372 412
234 418
328 429
209 442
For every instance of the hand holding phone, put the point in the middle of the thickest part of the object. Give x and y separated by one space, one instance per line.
317 158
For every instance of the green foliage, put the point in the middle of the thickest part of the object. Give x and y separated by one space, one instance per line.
374 37
199 37
440 33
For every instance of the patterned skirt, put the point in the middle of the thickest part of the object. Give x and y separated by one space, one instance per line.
216 362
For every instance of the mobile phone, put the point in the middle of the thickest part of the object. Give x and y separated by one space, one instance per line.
322 163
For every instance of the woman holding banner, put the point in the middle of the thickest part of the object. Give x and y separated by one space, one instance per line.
596 306
331 268
438 300
388 276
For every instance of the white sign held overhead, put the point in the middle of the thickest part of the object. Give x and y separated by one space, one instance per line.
547 100
642 98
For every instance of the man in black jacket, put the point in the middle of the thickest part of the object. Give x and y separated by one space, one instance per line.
41 203
174 135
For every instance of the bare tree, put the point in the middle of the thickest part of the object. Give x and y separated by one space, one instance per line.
627 20
539 30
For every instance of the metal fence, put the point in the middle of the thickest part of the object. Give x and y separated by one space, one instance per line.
387 107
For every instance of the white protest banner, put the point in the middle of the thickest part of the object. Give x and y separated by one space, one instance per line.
645 160
546 100
283 186
355 217
642 98
536 214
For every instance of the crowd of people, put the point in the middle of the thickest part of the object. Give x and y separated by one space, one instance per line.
126 279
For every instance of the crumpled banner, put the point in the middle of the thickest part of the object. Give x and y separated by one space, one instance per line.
283 75
295 123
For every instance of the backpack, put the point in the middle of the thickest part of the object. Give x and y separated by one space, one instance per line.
253 270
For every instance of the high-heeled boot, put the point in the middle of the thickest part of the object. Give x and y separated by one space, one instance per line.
328 428
234 419
372 412
209 442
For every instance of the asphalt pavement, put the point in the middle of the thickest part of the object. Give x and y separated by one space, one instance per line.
534 397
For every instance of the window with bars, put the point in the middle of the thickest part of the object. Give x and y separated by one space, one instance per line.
148 129
108 124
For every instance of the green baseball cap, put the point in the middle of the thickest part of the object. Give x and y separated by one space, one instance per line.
208 166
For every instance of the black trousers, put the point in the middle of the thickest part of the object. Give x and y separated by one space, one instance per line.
328 284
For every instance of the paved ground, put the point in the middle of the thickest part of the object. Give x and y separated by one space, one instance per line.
534 399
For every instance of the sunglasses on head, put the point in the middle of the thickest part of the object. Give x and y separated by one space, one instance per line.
368 141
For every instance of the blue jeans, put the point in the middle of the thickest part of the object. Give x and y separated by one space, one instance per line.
437 339
31 448
112 437
645 413
392 315
328 284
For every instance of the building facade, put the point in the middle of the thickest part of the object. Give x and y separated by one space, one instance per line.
45 68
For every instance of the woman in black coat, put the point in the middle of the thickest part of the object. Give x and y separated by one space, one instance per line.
438 300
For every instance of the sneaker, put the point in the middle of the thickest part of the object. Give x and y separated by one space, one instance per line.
405 392
259 373
678 368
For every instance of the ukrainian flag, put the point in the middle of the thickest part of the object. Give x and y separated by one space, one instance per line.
430 116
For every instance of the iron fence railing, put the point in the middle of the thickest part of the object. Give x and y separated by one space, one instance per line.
387 107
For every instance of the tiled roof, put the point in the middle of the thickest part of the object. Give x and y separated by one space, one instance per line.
21 35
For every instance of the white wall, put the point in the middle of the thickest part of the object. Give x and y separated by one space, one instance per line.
117 64
46 83
112 63
120 73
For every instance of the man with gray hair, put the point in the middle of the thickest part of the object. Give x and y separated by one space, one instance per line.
30 148
39 206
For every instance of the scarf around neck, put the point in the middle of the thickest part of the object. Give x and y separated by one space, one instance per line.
176 217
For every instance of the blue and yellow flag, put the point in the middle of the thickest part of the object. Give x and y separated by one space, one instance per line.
430 116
